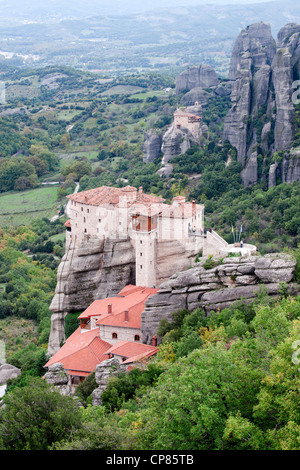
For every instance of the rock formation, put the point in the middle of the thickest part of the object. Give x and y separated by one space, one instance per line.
96 270
104 371
186 130
285 70
7 371
152 146
58 377
217 288
250 69
262 117
202 76
176 142
290 171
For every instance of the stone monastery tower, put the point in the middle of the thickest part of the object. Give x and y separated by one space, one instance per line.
121 236
147 221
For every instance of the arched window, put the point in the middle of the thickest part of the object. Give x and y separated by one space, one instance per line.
114 336
137 337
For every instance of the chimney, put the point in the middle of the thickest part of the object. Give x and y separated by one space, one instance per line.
109 308
154 341
126 315
194 207
140 189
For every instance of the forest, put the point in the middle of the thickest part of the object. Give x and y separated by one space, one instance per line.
223 382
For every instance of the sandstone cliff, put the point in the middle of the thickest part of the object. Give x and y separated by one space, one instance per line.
101 268
212 289
152 146
202 76
96 270
250 69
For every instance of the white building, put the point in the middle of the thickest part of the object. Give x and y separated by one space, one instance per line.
165 236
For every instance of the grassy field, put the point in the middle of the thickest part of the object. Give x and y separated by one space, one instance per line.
122 90
17 208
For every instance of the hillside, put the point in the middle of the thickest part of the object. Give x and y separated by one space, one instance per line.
222 380
145 37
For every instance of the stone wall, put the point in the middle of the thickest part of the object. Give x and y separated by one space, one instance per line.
213 289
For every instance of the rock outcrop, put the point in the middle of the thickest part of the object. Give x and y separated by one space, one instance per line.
262 117
287 171
152 146
196 95
250 69
8 371
176 142
214 289
285 70
202 76
58 377
291 167
96 269
104 371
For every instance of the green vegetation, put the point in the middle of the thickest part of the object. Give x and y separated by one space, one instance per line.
28 263
223 382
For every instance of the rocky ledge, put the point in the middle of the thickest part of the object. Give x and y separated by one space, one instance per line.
216 288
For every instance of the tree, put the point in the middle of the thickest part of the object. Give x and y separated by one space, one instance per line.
192 400
36 416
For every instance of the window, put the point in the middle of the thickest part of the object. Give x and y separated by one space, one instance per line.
141 266
114 336
88 210
141 254
136 337
84 219
141 242
82 209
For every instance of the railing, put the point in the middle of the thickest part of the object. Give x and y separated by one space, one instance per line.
196 233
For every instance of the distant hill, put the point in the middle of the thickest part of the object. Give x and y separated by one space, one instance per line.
150 37
35 10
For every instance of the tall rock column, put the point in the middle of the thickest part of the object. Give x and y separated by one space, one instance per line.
285 70
250 69
97 269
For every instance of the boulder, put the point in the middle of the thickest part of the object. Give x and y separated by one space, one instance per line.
104 371
7 371
275 268
58 377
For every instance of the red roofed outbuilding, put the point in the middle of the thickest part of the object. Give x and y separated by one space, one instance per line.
109 327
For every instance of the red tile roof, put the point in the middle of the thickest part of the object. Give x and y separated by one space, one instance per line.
132 350
110 195
131 298
82 351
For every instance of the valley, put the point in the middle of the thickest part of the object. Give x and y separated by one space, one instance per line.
186 105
